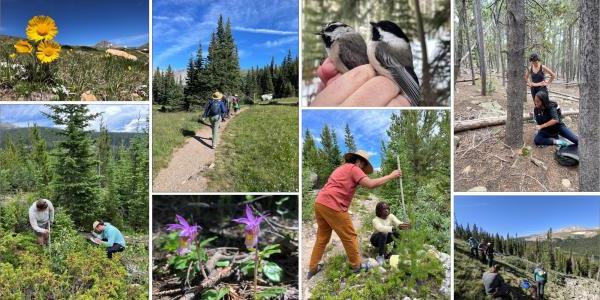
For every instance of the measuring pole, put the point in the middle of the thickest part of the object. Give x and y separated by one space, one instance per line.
401 188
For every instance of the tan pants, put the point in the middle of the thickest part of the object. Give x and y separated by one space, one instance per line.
340 222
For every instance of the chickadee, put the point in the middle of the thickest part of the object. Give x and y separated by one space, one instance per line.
345 47
390 55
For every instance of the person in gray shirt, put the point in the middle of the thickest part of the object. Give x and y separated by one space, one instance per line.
494 284
41 214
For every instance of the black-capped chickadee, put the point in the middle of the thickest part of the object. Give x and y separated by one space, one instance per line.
390 55
345 47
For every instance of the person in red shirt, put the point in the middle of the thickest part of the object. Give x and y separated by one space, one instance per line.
332 203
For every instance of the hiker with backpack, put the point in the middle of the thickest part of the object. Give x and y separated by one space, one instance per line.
225 113
108 236
540 277
538 80
387 228
41 215
549 123
331 208
494 284
489 252
482 248
473 244
214 111
236 104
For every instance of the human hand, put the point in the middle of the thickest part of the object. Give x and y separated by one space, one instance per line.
529 84
358 87
538 127
404 226
396 174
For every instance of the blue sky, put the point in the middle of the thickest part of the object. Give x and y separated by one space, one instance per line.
368 127
118 118
525 215
261 29
81 22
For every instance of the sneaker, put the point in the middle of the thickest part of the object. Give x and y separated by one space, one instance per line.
365 265
313 273
561 143
380 260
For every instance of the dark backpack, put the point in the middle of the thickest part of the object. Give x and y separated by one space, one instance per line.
213 108
567 156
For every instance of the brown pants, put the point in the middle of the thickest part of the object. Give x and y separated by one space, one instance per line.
340 222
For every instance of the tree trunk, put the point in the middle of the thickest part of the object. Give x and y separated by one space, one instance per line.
516 89
459 49
466 27
426 79
480 46
498 40
589 94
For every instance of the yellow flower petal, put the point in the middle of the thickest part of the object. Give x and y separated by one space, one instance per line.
23 46
13 55
41 28
48 51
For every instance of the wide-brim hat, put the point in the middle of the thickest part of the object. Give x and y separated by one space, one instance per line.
217 96
362 154
96 223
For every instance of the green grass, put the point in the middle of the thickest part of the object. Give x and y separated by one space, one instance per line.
258 152
169 131
77 70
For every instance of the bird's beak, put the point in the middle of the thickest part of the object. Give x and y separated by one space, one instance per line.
318 33
373 24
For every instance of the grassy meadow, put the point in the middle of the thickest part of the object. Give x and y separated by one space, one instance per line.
78 70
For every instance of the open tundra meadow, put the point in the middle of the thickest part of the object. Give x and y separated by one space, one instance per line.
74 50
86 163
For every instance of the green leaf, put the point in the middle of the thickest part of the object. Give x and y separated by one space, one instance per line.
247 268
213 294
207 241
270 250
269 293
222 263
272 271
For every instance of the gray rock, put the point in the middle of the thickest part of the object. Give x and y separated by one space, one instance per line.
478 189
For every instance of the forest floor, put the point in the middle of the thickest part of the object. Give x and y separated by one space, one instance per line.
230 282
468 272
185 170
368 285
484 163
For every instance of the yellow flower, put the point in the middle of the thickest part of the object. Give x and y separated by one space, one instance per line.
41 28
48 51
13 55
129 67
23 46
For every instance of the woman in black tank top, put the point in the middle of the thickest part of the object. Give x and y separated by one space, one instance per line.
536 73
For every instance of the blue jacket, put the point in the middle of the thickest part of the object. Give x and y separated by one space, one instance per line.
112 235
221 108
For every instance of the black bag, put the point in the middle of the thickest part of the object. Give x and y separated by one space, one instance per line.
567 156
214 108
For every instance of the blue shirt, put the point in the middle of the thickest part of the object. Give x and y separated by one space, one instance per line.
112 235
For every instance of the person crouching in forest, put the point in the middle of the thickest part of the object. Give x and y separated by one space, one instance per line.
331 208
214 110
550 125
41 215
386 229
108 236
536 74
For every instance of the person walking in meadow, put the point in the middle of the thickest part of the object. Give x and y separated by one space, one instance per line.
214 110
482 248
535 77
41 215
387 228
108 236
331 208
540 277
473 244
489 252
236 104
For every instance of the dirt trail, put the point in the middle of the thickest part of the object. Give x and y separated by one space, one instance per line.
309 234
185 172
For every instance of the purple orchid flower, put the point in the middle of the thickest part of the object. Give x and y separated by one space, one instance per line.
252 229
187 234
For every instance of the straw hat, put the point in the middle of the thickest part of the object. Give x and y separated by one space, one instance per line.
96 223
217 96
362 154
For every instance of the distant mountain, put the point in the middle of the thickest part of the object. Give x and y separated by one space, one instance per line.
52 136
180 76
6 125
570 232
106 45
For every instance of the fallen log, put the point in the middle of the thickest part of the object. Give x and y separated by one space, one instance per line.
466 80
565 95
460 126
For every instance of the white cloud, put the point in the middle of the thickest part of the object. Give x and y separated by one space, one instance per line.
279 42
264 30
133 40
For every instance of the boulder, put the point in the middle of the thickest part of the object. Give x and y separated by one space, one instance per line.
121 53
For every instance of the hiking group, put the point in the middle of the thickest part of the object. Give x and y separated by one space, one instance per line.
493 283
41 217
547 114
331 213
217 110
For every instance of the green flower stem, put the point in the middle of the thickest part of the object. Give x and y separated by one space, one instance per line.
256 264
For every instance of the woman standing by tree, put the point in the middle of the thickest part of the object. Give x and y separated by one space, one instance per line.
536 73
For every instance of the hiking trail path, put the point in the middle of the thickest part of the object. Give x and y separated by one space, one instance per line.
185 171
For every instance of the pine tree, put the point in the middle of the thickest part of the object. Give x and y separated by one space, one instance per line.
41 161
349 139
103 152
75 183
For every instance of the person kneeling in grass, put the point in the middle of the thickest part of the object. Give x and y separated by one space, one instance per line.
41 214
550 126
331 208
386 228
108 236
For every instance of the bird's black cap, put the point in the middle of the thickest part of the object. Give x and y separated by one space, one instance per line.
390 27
